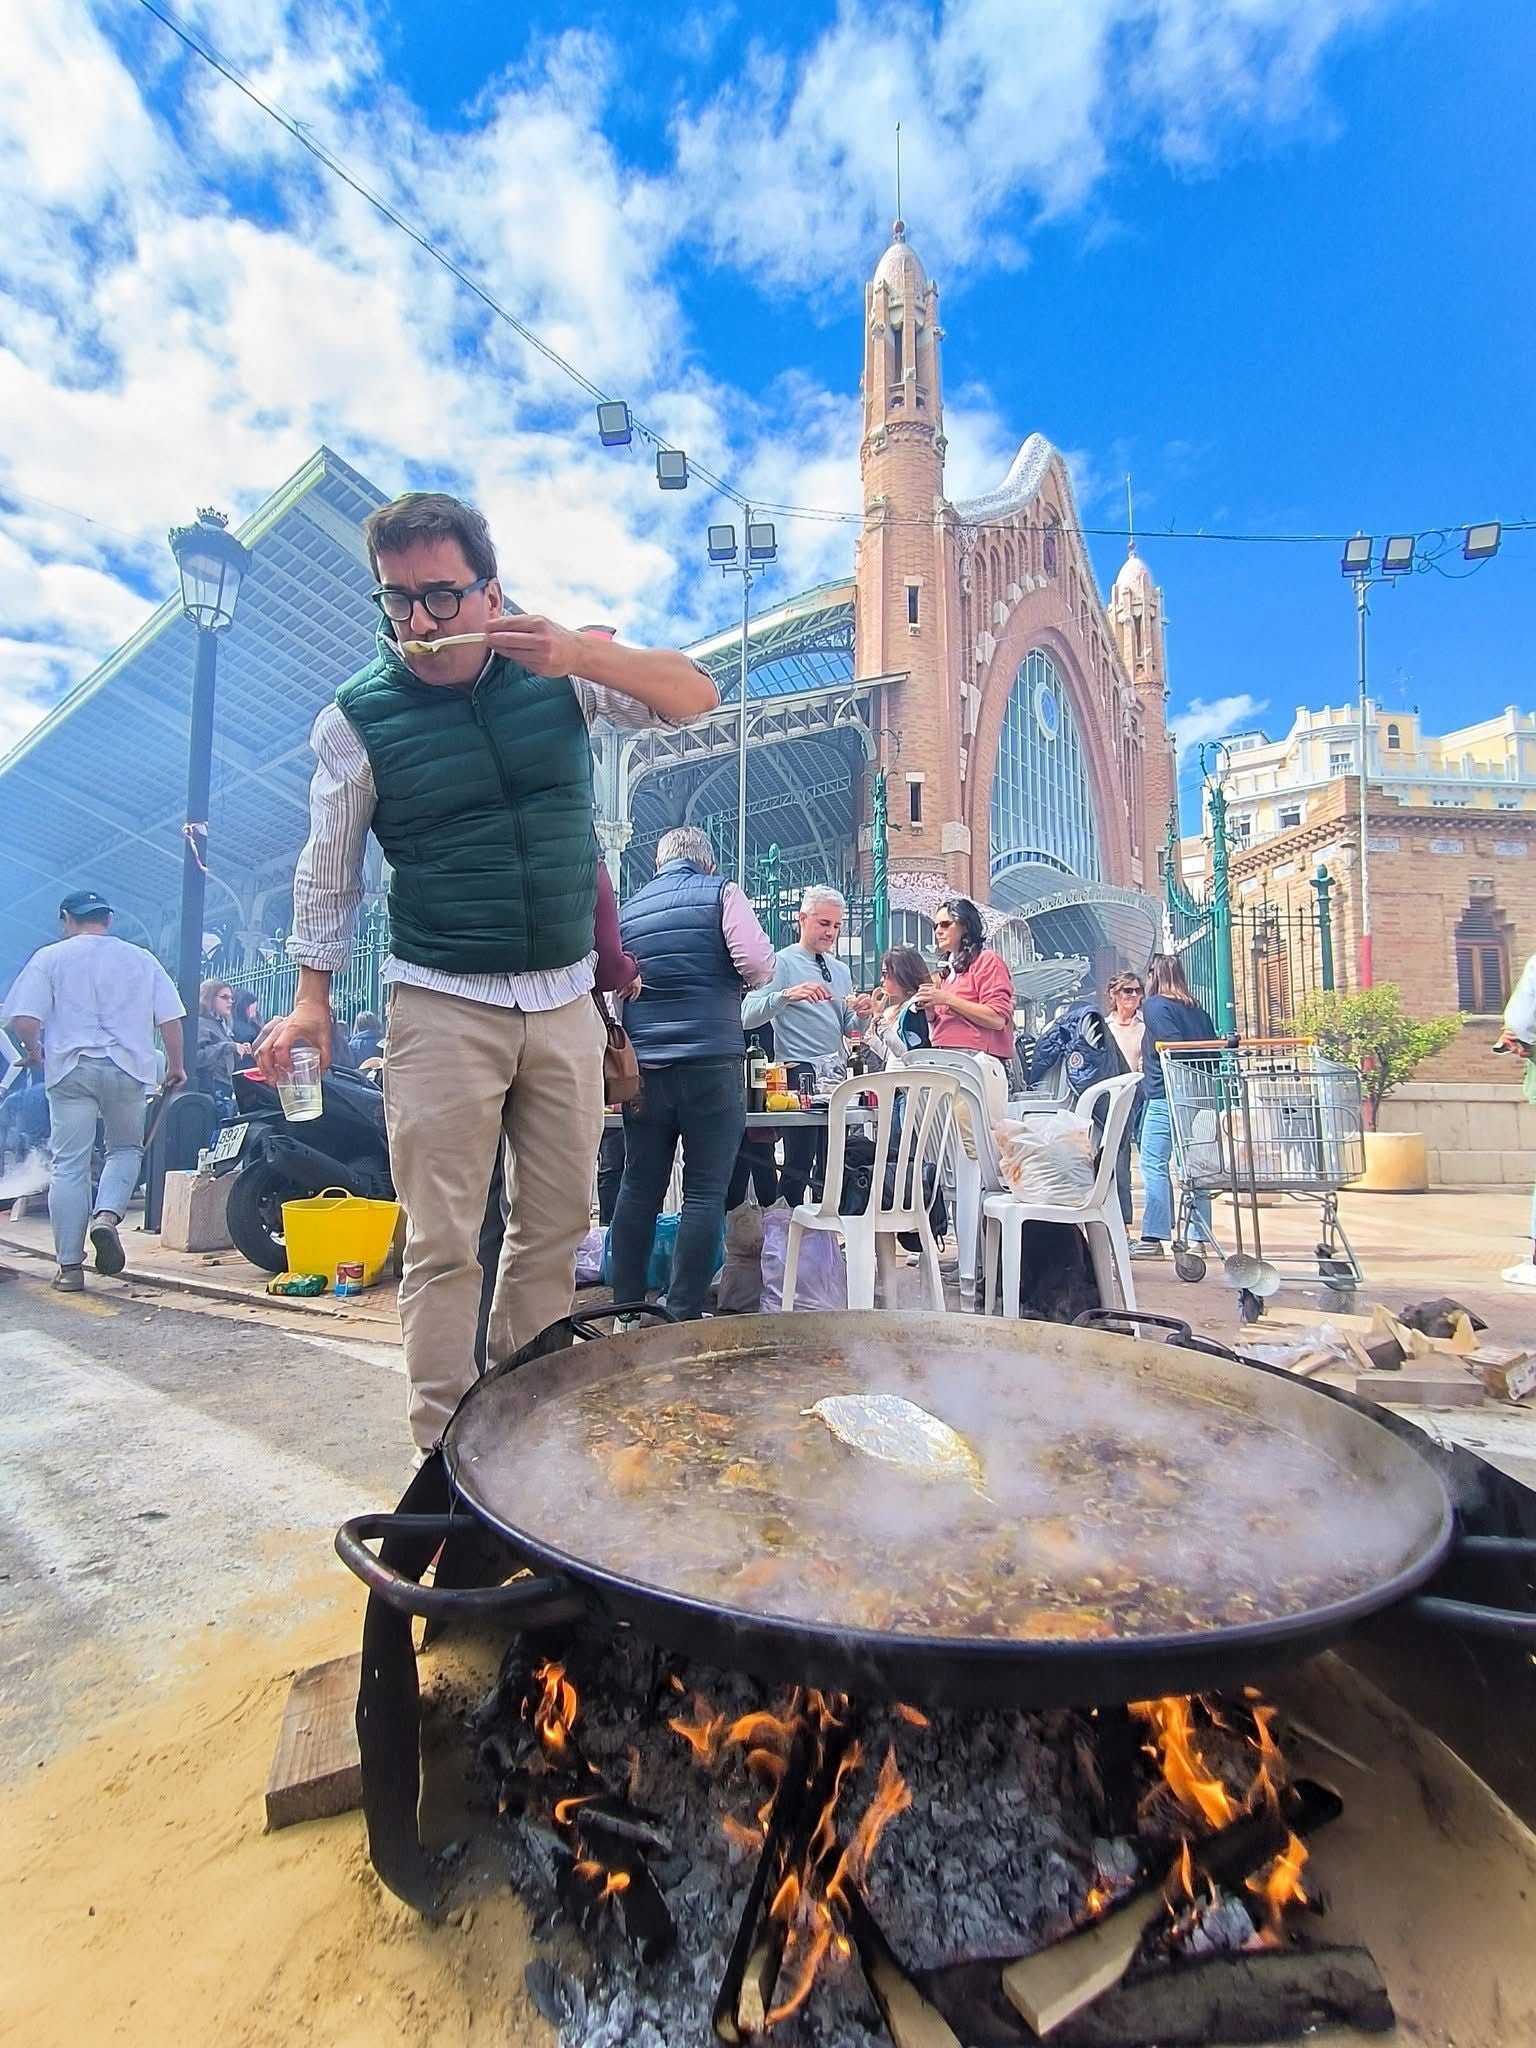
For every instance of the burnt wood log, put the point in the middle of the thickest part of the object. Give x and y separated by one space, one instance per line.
794 1790
910 2020
1263 1995
1048 1988
762 1975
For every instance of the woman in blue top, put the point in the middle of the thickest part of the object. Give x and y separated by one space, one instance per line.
1172 1017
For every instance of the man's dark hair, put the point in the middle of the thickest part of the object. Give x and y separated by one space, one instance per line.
430 515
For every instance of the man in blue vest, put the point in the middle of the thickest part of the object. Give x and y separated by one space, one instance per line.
699 947
463 747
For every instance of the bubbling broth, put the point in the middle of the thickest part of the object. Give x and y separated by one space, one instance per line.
1109 1504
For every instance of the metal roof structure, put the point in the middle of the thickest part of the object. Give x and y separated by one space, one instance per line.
93 797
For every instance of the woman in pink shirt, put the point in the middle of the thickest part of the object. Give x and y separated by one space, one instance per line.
970 1005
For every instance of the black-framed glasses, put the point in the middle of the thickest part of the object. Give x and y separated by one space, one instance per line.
442 601
826 972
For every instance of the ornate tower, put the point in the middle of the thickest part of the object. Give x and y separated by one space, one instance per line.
1136 609
906 595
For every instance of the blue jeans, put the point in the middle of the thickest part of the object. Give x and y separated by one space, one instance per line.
703 1102
1156 1151
92 1089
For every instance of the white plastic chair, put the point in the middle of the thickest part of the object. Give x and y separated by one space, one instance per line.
925 1103
1098 1213
971 1166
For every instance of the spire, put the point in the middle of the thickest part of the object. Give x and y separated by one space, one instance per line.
1130 517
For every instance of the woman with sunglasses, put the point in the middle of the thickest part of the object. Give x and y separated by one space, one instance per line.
969 1005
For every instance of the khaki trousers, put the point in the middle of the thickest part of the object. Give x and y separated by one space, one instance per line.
461 1078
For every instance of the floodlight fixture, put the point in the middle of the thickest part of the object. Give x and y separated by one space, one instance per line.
1357 555
722 543
1397 554
1482 542
615 429
762 542
671 469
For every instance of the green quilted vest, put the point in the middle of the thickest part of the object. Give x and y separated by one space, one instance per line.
484 813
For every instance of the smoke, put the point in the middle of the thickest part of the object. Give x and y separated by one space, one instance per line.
29 1176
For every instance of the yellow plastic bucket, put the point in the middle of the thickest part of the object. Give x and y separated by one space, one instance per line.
334 1229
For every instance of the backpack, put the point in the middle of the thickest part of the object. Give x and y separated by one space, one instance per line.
1081 1042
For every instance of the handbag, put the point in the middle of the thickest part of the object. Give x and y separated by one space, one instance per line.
621 1069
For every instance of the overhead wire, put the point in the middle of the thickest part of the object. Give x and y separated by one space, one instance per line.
301 134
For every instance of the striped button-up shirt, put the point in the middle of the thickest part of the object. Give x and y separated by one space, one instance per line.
328 881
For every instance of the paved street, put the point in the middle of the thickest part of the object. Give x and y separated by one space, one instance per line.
167 1470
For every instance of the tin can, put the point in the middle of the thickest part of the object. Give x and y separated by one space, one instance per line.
349 1278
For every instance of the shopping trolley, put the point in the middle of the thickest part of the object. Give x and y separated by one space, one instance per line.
1269 1116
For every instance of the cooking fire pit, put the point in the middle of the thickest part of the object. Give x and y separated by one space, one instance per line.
789 1583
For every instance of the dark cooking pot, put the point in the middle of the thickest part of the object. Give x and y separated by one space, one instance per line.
490 1502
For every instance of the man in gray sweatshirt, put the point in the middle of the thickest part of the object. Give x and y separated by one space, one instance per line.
809 1003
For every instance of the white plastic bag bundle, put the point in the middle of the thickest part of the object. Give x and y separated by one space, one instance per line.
1047 1159
822 1278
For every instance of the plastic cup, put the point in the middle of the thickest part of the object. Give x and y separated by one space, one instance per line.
300 1092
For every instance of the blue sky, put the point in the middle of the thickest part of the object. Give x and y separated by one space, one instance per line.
1271 256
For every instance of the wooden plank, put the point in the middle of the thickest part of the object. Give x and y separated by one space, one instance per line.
316 1770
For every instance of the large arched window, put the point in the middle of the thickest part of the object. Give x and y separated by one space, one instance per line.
1042 813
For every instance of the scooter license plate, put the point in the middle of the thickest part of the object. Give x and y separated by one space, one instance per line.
228 1144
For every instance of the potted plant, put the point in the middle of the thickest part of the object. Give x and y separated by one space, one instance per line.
1370 1030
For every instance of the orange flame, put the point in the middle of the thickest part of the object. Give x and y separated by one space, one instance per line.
1281 1885
805 1975
565 1808
1197 1788
554 1712
703 1735
739 1835
757 1731
910 1715
893 1795
1272 1771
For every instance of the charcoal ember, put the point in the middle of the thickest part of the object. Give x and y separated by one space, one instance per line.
994 1854
559 1997
1218 1927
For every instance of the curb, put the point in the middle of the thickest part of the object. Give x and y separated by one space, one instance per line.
210 1290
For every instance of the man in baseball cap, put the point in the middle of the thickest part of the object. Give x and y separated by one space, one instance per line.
86 907
85 1010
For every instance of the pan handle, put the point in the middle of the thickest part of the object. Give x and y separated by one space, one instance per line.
582 1326
1127 1322
1471 1617
532 1603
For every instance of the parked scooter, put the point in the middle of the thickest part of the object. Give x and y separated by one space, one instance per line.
275 1161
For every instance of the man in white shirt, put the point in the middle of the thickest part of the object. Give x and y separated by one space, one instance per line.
85 1010
463 747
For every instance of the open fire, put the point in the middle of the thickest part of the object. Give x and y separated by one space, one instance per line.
805 1866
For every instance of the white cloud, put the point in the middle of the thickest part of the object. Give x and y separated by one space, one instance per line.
189 303
790 170
1213 720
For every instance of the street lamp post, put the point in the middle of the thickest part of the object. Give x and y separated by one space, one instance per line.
747 563
1401 554
212 564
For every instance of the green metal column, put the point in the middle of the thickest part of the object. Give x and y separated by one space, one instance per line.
1322 882
1221 910
880 868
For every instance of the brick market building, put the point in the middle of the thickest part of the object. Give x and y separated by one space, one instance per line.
1452 890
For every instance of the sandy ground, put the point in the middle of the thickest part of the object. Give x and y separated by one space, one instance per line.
143 1903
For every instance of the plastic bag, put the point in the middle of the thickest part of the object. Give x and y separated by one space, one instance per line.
1047 1159
592 1257
739 1291
822 1278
